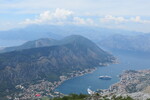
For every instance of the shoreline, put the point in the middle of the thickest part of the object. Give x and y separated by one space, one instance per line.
91 70
47 88
133 83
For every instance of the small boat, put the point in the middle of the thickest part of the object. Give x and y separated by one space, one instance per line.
105 77
90 91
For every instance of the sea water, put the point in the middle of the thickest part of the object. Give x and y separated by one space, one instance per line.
127 61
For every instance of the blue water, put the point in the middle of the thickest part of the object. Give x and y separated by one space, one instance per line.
127 60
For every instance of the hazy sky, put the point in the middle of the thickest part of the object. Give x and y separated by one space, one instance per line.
124 14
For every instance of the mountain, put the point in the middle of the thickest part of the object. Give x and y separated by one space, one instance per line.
31 44
49 63
139 43
43 42
33 32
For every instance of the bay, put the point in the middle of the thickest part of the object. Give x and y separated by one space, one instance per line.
127 61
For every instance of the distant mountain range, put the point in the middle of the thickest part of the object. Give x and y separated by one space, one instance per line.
138 43
116 39
107 38
48 59
34 32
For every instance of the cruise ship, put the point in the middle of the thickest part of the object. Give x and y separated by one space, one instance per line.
105 77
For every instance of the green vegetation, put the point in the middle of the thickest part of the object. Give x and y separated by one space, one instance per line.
72 97
121 98
48 63
45 98
87 97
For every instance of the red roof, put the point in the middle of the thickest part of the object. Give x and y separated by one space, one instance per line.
37 95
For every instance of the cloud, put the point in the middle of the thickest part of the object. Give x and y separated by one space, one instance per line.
59 17
62 14
138 19
110 18
69 17
82 21
79 20
47 17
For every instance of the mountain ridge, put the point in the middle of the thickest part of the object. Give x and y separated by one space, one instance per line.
49 63
10 37
44 42
139 43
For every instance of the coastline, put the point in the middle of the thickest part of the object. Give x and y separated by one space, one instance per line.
87 71
46 88
78 74
91 71
135 84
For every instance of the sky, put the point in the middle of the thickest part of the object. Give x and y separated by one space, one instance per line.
122 14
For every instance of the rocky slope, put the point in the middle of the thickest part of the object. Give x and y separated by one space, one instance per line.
133 83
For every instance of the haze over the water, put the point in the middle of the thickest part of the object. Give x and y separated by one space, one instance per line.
122 14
